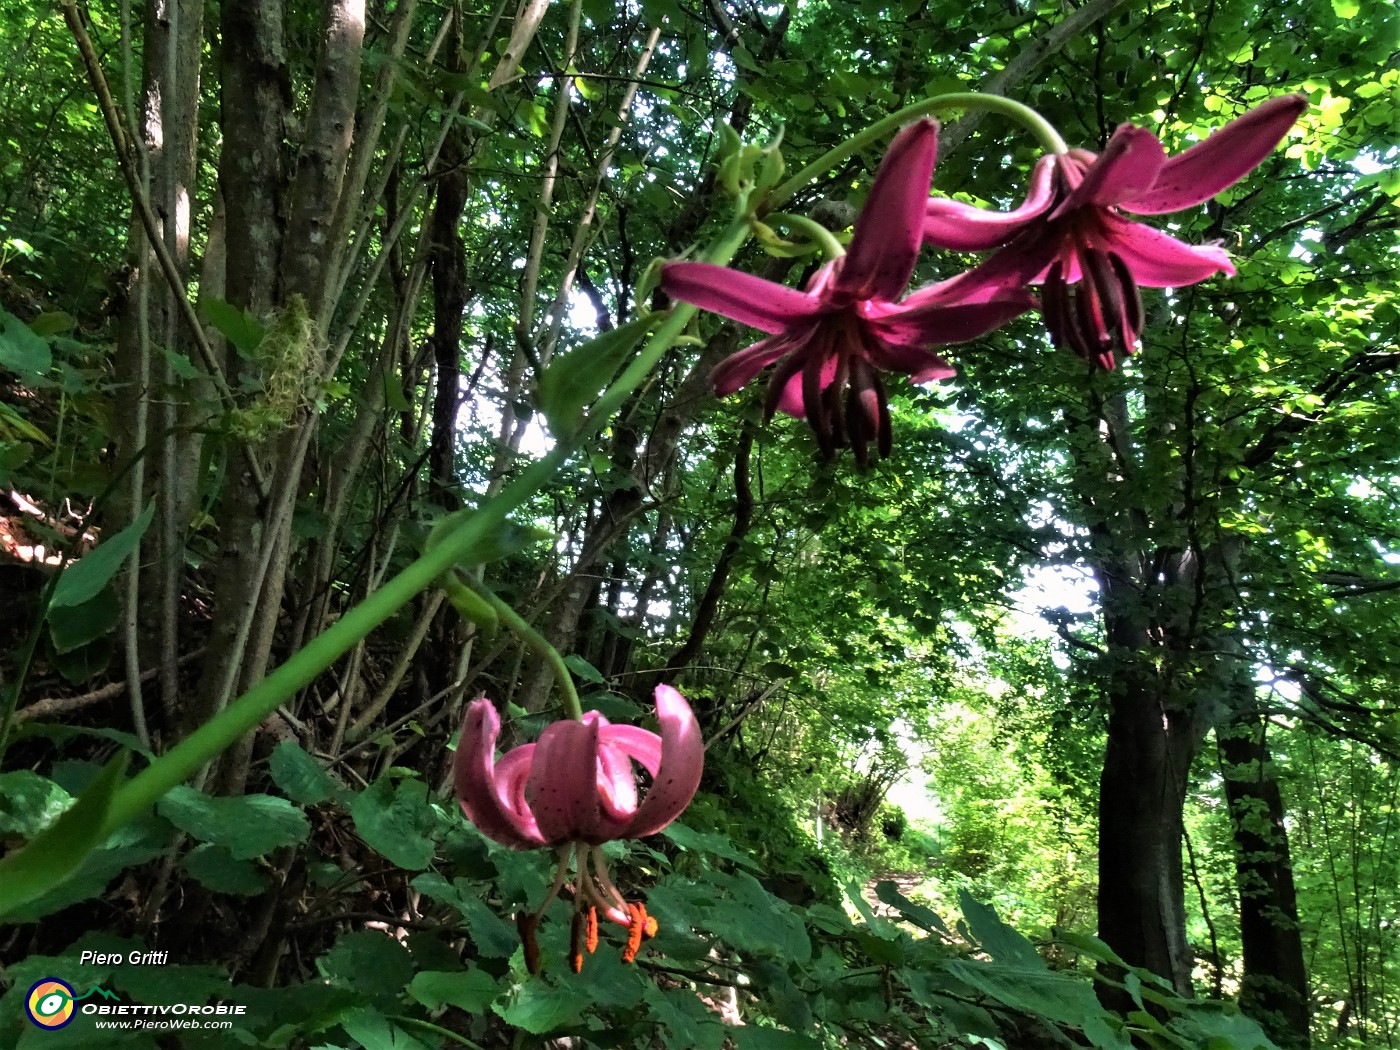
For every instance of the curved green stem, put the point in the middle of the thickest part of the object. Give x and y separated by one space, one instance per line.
428 1026
1040 127
243 714
814 231
537 642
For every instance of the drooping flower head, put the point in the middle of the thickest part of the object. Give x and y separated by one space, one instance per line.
1071 234
832 341
575 789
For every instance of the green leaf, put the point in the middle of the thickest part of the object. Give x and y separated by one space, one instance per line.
374 1031
301 776
1346 10
29 803
751 1037
470 990
539 1007
576 378
55 853
238 326
82 579
370 962
21 351
181 365
246 825
924 918
1064 996
216 868
398 824
714 843
997 939
55 322
77 625
584 669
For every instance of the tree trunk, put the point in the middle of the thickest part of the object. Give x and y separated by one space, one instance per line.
1275 986
1142 794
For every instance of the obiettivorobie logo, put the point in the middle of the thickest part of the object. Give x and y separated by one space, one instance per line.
50 1003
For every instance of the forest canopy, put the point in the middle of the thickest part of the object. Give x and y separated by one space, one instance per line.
699 525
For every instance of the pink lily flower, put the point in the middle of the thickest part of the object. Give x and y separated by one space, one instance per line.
575 789
1071 234
832 341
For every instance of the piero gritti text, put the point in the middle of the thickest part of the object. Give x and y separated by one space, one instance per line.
117 958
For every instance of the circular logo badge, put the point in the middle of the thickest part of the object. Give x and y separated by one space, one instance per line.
50 1003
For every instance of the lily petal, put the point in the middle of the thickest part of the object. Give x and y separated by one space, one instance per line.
563 785
1159 260
738 368
888 234
742 297
475 777
921 327
968 228
1127 167
919 364
1221 160
682 762
640 745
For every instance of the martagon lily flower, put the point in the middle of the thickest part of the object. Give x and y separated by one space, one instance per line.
832 341
573 790
1072 236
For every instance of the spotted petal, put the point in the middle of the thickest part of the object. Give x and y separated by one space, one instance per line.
682 762
885 244
968 228
1127 167
1159 260
484 788
1221 160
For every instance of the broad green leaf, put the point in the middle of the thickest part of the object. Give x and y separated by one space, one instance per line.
1062 996
299 775
396 822
374 1031
997 939
584 669
470 990
539 1007
21 350
214 867
575 378
29 803
246 825
55 853
55 322
370 962
921 916
238 326
75 626
82 579
752 1037
710 842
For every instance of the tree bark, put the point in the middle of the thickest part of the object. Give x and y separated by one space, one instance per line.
1275 986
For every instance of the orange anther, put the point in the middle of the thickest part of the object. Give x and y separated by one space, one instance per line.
592 930
635 929
576 943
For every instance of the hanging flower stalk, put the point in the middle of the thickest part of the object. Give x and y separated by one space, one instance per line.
832 342
573 790
1071 234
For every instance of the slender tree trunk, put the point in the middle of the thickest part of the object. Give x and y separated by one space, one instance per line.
1275 986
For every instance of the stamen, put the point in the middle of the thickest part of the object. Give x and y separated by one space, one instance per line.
635 931
591 930
1132 302
576 938
525 924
